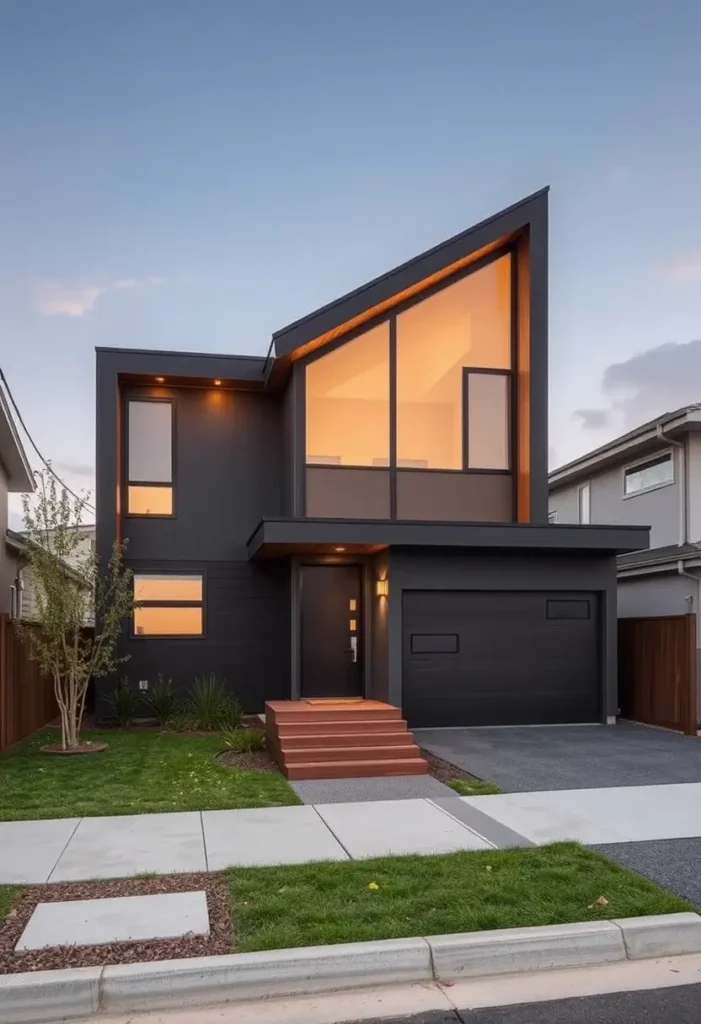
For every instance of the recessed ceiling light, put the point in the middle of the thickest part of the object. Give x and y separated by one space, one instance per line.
217 383
159 380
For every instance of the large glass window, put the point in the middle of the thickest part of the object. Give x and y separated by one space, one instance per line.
168 604
347 403
645 476
467 324
150 458
488 404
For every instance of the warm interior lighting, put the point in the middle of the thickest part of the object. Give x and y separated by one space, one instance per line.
353 624
353 604
217 383
339 549
382 588
159 380
149 501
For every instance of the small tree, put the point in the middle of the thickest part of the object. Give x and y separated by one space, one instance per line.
70 591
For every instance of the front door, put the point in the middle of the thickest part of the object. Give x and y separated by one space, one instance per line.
331 631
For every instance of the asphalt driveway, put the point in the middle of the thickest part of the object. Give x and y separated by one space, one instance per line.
533 759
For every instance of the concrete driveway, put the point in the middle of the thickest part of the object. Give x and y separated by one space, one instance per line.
532 759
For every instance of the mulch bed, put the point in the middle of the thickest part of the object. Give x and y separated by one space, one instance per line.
251 760
444 771
218 941
88 747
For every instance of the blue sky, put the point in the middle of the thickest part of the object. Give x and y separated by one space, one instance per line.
194 174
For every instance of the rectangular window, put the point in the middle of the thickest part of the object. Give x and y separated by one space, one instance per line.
584 503
347 403
169 604
466 324
645 476
150 458
488 404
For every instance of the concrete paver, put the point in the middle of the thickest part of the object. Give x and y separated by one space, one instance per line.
30 849
133 844
267 835
123 919
394 827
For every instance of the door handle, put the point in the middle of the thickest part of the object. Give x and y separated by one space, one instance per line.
353 649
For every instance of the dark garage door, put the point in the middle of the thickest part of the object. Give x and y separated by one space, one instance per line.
499 658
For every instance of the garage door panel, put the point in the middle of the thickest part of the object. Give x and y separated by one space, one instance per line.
511 663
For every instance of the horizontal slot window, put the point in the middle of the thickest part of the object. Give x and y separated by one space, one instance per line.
150 501
571 609
434 643
168 604
647 475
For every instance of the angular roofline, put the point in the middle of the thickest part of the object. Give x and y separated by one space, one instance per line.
12 454
687 418
381 289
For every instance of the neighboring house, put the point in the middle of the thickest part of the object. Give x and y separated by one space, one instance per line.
15 478
650 476
364 513
26 606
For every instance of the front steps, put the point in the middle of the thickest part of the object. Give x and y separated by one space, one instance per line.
340 741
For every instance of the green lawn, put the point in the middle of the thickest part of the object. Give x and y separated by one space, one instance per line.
8 894
315 904
474 787
140 772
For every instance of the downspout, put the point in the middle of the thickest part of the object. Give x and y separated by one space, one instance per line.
683 513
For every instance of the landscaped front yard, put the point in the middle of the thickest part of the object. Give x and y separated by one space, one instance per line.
141 771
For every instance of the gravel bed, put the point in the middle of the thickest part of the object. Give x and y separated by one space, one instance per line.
219 940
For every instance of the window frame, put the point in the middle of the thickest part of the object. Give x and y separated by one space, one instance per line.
390 316
160 484
467 371
161 603
668 453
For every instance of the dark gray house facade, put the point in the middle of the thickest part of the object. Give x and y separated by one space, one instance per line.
364 513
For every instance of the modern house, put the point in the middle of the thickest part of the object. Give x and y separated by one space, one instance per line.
364 513
15 478
652 476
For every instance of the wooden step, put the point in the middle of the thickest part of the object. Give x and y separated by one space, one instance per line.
323 717
320 753
350 725
355 769
345 739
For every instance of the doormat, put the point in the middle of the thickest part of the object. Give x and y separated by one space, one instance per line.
334 700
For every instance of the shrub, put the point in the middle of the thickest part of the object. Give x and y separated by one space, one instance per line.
162 701
181 721
243 740
124 703
211 707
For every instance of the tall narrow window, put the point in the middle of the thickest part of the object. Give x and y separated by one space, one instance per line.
584 503
488 404
467 324
168 604
150 458
347 403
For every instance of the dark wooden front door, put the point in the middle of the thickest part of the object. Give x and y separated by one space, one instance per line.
331 631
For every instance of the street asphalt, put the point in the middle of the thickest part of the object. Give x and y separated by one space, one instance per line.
680 1005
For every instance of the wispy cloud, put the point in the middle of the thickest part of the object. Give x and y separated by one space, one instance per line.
683 269
54 298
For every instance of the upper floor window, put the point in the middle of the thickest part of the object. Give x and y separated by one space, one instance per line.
645 476
584 503
448 417
150 458
168 604
347 403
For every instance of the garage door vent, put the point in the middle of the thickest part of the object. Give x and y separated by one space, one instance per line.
434 643
568 610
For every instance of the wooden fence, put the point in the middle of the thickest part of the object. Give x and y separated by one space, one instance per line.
657 671
26 696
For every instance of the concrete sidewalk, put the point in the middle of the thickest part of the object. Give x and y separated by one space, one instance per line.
77 849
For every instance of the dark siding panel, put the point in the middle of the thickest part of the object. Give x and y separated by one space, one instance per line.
379 688
455 497
246 638
347 493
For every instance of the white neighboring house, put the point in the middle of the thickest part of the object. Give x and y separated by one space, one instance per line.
650 476
26 606
15 478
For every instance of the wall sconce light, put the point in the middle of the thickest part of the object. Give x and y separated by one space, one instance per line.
382 588
159 380
217 383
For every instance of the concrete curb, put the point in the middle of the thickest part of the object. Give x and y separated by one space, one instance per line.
47 996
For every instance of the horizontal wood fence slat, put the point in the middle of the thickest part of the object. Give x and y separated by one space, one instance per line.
657 671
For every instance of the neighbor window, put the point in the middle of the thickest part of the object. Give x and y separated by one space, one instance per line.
552 516
646 475
168 604
347 403
465 325
584 503
150 458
